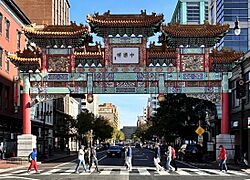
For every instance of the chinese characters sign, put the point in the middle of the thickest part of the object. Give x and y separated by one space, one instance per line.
125 55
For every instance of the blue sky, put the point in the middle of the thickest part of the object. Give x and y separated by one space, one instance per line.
130 106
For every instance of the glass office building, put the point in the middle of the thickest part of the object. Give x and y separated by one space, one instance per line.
226 12
190 12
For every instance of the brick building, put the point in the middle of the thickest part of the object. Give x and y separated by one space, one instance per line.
51 12
12 19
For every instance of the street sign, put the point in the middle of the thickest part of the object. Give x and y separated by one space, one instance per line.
199 131
200 139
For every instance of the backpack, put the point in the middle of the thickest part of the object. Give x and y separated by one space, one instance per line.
29 157
173 153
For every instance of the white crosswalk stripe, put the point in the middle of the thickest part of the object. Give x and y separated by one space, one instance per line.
136 171
143 172
68 172
105 172
217 172
50 172
197 171
183 173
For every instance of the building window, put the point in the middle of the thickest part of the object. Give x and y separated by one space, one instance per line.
18 39
7 64
1 57
1 23
7 28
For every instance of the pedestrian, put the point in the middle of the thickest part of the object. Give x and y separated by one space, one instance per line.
157 158
222 158
81 160
87 157
94 159
173 158
126 157
129 158
33 161
169 158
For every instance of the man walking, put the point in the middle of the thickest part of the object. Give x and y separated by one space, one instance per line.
33 159
169 159
94 159
222 158
157 158
81 160
129 158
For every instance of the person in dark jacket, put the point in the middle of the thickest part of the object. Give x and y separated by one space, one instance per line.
157 158
33 159
94 159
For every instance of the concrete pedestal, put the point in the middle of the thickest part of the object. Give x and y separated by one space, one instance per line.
228 141
25 144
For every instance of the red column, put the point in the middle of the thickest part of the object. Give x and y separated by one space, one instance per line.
225 114
26 114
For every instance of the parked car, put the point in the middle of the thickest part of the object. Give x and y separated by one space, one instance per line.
114 151
190 152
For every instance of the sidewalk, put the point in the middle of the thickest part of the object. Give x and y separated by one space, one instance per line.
6 165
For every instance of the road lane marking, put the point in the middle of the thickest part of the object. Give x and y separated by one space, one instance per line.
17 177
197 171
143 172
19 171
105 172
87 173
67 172
50 172
163 173
102 158
183 173
236 173
217 172
124 172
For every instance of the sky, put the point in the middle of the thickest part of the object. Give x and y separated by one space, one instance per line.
129 106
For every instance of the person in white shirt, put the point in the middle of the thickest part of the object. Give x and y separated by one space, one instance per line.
169 159
81 160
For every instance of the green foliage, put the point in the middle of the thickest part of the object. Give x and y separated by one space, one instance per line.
102 128
179 116
119 135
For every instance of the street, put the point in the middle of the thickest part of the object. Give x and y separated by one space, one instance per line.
113 168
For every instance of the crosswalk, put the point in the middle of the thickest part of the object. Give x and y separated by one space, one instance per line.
123 172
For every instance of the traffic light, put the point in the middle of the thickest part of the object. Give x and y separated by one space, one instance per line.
240 88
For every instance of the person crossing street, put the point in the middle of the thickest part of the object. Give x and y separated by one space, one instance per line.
129 158
222 158
157 158
33 161
169 159
94 159
81 160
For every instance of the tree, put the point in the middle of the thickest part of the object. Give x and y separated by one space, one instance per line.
179 116
102 128
119 135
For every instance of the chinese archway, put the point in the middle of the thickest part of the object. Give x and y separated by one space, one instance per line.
64 61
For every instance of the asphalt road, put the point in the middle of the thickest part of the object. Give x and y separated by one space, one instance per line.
113 168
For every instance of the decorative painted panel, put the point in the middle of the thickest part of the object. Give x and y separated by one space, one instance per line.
192 63
58 64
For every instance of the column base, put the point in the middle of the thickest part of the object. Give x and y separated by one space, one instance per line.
228 141
25 145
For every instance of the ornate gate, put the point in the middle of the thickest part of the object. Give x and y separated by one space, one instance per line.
183 63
